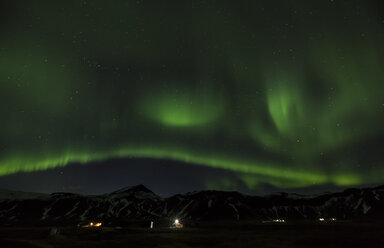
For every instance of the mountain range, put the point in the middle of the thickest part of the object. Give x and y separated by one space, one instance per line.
138 203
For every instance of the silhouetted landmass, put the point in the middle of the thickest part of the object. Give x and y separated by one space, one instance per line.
139 204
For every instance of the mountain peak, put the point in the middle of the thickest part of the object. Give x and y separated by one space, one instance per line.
132 189
139 203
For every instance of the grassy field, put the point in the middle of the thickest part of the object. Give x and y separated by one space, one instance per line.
340 234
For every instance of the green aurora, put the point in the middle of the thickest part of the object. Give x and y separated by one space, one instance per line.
286 93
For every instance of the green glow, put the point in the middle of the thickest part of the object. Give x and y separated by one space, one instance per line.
276 175
182 108
285 104
294 103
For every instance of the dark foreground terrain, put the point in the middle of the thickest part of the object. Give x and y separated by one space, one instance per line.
235 234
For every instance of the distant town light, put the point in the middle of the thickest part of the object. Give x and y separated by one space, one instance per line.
333 219
177 224
279 220
91 224
321 219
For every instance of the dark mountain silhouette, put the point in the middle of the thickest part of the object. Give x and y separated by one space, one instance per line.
138 203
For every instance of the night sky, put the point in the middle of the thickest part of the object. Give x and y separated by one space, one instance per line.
257 96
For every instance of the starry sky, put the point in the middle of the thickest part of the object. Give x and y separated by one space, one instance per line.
255 96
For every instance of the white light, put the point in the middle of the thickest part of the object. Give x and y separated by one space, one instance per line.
321 219
279 220
176 221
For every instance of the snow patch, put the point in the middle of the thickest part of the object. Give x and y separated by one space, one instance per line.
366 208
237 211
185 207
45 213
73 209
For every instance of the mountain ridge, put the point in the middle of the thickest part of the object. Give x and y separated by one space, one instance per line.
140 203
